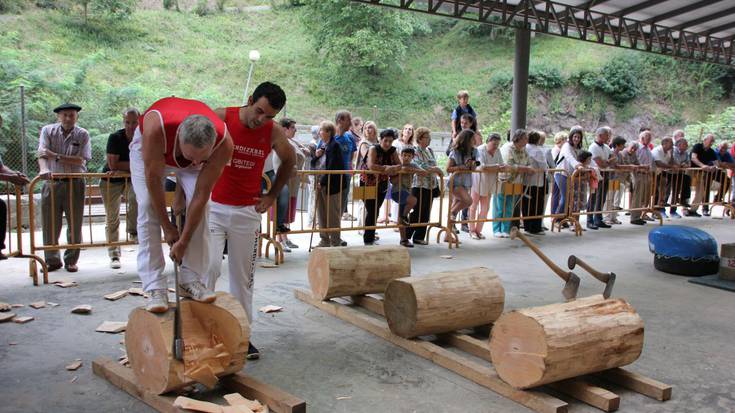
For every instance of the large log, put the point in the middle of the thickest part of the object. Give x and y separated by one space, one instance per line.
343 271
539 345
443 302
215 344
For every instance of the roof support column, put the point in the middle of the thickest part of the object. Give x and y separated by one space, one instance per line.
520 79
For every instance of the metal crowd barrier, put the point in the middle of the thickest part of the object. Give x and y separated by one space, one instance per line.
14 196
305 220
520 201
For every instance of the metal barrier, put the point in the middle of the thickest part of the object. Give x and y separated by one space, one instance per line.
511 195
17 199
364 191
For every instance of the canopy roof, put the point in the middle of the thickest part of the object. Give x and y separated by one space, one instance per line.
700 30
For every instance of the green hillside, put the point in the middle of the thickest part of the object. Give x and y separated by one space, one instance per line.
106 67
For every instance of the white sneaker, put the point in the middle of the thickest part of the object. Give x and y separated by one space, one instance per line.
504 235
158 303
115 263
197 292
497 235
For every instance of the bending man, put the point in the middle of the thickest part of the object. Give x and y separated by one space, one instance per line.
187 138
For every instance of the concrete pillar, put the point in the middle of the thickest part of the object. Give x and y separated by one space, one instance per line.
520 79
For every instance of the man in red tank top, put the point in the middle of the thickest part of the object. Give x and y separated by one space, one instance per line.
184 137
237 201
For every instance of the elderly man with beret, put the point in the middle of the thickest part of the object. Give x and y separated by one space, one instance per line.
63 148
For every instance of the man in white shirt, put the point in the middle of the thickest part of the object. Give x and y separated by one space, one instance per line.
664 160
642 189
601 159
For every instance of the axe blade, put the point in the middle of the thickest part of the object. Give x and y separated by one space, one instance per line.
609 285
571 287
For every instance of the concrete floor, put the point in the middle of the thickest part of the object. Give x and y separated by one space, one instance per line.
690 331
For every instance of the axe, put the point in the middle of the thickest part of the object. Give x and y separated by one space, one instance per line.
607 278
572 280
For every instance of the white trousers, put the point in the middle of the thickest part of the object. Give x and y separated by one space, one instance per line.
240 226
151 262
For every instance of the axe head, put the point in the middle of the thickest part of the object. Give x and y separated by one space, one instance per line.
571 287
609 285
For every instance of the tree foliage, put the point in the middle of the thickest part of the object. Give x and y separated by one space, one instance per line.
352 35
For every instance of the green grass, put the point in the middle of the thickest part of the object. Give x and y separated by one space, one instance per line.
161 53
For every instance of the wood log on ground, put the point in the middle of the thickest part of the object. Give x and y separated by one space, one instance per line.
443 302
343 271
215 344
534 346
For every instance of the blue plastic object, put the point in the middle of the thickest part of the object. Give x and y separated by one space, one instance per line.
682 242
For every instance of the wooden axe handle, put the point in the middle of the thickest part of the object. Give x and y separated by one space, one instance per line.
574 260
560 272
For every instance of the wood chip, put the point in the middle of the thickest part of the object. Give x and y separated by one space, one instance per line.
446 257
124 361
74 366
50 304
4 306
82 309
74 379
17 305
67 285
23 320
137 282
116 295
6 317
38 304
237 399
63 280
112 327
196 405
268 266
171 290
12 343
270 309
136 291
344 397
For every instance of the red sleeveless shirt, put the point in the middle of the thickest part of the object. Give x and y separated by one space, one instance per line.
240 182
172 112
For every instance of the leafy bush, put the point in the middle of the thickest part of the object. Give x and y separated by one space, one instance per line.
221 5
619 79
11 6
501 80
350 35
202 8
493 31
720 124
545 76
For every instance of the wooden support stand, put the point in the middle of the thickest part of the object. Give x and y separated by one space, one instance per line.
124 378
484 374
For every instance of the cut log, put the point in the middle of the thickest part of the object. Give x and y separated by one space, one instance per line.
343 271
535 346
215 341
443 302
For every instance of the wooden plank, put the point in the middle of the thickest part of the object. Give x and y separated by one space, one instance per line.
369 303
638 383
277 400
595 396
469 344
124 378
483 375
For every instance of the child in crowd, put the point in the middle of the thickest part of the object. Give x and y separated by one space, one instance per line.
582 184
401 191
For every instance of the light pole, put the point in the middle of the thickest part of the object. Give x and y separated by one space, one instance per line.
254 57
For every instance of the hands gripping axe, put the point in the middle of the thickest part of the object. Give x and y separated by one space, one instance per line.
571 285
607 278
